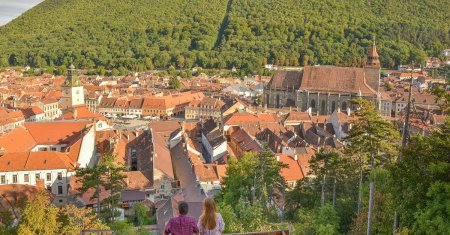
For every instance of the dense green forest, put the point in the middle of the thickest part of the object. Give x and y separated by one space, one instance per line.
147 34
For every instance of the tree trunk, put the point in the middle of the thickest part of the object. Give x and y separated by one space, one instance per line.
394 229
360 189
334 192
371 196
98 201
322 197
112 197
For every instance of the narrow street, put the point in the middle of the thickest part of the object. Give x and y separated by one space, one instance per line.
183 171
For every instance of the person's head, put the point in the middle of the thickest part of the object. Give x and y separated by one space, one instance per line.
183 208
208 218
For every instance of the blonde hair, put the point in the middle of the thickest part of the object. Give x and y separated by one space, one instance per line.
208 217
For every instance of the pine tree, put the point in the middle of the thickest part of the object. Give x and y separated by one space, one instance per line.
372 137
105 176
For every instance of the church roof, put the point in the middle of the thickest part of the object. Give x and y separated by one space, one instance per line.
335 79
283 79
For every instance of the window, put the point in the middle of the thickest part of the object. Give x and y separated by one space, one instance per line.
26 178
344 106
49 187
333 106
60 189
14 179
162 186
53 148
2 179
323 107
313 104
59 176
38 176
49 176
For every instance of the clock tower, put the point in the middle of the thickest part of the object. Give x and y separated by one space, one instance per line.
72 91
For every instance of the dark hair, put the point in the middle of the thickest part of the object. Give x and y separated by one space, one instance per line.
183 208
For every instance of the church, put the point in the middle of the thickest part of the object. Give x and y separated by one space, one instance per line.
323 89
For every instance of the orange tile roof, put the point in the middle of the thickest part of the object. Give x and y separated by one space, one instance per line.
295 116
221 171
74 150
138 180
296 169
13 193
319 119
154 103
17 140
206 172
31 111
267 117
55 132
28 161
239 118
81 112
161 132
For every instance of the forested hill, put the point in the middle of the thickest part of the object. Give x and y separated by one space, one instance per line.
145 34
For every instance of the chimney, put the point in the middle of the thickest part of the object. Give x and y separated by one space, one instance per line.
309 111
40 184
296 157
278 158
75 114
348 111
128 137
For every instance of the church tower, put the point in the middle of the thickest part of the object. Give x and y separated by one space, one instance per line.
373 59
72 91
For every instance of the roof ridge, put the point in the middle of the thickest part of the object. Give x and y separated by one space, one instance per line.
28 131
299 165
28 157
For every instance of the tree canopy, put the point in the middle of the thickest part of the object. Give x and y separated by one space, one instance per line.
41 217
147 34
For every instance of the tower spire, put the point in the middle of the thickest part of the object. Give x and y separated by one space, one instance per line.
373 59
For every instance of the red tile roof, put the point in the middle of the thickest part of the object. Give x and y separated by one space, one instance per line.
296 169
28 161
81 112
14 193
336 79
55 132
17 140
161 133
31 111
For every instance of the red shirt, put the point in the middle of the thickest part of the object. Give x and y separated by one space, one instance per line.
181 225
